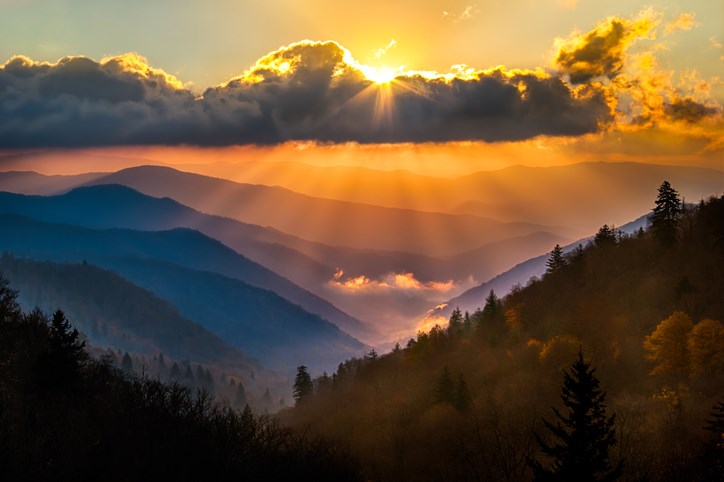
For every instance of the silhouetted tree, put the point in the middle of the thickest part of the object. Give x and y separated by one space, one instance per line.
581 437
556 260
303 386
665 215
493 307
455 324
606 236
58 366
445 387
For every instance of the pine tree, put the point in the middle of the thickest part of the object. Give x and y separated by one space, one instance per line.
556 260
456 322
606 236
582 437
665 215
303 386
493 306
60 364
445 387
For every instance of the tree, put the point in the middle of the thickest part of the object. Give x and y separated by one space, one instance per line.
667 345
582 437
61 363
706 347
665 215
455 325
556 260
303 386
445 387
606 236
65 338
492 304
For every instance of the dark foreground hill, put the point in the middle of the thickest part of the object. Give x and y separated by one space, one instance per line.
464 402
65 416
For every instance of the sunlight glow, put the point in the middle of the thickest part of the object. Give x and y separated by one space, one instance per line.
379 75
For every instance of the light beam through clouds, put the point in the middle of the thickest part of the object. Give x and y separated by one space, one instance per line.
607 80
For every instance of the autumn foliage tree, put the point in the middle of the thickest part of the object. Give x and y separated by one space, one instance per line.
667 345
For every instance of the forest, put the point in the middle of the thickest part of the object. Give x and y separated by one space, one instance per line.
482 398
610 366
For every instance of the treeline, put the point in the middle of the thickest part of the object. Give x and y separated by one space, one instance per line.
65 415
465 401
141 333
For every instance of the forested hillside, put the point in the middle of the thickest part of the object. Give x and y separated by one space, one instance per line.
467 401
67 416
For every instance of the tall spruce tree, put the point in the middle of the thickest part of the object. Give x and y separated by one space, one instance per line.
581 438
556 260
303 386
665 215
455 325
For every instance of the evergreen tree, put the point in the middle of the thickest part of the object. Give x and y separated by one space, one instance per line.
493 307
64 340
445 387
606 236
59 366
665 215
456 322
303 386
582 437
555 260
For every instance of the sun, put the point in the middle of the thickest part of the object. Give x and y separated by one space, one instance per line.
379 75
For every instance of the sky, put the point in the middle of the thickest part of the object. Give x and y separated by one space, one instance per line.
617 80
439 88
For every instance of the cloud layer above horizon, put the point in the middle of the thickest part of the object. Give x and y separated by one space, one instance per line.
316 91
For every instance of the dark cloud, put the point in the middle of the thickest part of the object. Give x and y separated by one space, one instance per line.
307 91
600 52
688 110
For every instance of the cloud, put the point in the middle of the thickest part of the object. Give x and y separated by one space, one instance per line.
403 282
641 94
685 21
383 50
469 12
601 52
317 91
306 91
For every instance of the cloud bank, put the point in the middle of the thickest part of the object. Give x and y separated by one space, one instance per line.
316 91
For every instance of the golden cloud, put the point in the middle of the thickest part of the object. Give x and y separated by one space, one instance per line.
685 21
316 91
601 52
391 281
